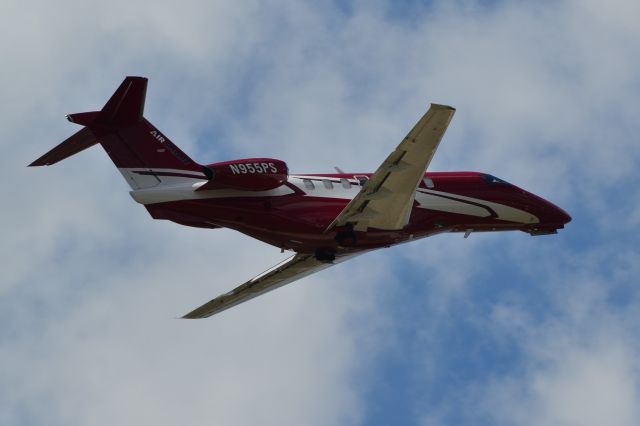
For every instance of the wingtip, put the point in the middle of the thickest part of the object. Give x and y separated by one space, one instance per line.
443 106
193 315
38 163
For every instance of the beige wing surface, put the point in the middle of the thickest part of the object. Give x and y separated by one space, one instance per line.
289 270
386 200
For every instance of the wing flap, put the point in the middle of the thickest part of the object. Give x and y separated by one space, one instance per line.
386 200
289 270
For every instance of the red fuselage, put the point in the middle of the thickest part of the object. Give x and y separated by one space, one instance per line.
297 219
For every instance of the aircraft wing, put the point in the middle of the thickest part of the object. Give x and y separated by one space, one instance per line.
287 271
386 200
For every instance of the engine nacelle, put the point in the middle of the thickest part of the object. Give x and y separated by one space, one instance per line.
250 174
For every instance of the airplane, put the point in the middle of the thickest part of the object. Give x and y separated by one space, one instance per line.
325 219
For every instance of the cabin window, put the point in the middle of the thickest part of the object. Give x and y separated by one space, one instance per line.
327 184
345 183
308 184
428 182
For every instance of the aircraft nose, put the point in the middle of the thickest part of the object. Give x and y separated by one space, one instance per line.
549 213
561 215
551 217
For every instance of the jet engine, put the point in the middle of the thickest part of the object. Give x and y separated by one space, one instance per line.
249 174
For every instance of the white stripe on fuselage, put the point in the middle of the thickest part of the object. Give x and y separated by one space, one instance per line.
438 200
427 199
194 173
140 178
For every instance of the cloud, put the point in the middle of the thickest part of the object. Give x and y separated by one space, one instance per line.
580 365
91 285
504 324
563 354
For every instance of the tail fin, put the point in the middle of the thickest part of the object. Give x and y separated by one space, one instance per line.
126 105
144 156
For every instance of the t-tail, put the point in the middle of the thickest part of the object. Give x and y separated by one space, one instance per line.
145 157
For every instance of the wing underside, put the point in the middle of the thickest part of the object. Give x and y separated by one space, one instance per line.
289 270
386 200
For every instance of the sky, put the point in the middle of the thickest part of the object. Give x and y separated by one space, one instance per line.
496 329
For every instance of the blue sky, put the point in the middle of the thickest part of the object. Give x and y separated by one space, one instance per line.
497 329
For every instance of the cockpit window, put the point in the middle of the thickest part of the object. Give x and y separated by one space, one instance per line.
492 180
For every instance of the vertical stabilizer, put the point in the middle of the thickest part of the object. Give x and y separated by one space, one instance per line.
126 105
145 157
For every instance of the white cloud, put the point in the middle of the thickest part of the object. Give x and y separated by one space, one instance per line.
594 385
546 97
581 365
565 357
91 285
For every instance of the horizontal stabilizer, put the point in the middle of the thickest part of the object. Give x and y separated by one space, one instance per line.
79 141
